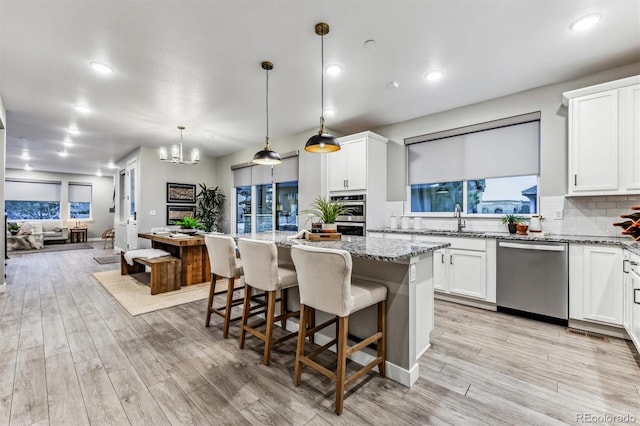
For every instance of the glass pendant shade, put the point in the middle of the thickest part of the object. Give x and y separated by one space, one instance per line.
322 142
267 156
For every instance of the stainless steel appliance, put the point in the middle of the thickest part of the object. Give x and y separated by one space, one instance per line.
352 223
533 280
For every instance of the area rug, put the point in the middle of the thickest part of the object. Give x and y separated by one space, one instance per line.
103 260
136 298
54 247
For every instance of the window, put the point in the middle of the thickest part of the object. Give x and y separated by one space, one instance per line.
80 195
258 188
490 168
32 200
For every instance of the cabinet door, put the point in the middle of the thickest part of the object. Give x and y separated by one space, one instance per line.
593 143
440 270
337 169
630 136
357 164
635 310
627 296
602 296
468 273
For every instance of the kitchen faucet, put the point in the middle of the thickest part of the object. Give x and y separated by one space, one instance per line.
457 212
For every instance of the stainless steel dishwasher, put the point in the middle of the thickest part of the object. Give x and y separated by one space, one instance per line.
533 280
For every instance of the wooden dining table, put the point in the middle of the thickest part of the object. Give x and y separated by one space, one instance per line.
191 250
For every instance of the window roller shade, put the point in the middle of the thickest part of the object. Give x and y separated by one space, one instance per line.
32 191
242 177
505 151
247 175
80 193
287 171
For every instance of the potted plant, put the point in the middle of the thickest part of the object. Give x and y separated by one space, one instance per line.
327 211
13 227
188 225
511 220
209 207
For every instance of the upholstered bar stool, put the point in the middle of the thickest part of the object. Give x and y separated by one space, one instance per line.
325 284
224 265
261 272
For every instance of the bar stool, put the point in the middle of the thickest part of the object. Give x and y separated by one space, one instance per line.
225 265
324 280
261 272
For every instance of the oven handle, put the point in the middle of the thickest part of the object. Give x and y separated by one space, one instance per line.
356 224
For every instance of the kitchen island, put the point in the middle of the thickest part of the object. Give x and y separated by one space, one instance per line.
406 269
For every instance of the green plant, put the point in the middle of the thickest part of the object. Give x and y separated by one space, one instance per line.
189 223
13 227
209 207
326 210
511 218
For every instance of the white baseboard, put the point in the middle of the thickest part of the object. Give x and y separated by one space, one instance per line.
465 301
606 330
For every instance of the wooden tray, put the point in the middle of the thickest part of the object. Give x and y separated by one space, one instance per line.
333 236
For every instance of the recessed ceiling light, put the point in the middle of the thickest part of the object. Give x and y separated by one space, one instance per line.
100 68
111 165
25 155
585 22
73 130
67 141
83 109
392 85
329 112
433 75
63 153
334 69
370 43
28 167
99 172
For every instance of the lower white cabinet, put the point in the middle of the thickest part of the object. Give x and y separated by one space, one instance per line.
631 288
596 284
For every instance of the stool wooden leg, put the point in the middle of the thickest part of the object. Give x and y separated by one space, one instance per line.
227 311
382 343
212 292
269 314
245 312
283 307
302 334
312 323
342 362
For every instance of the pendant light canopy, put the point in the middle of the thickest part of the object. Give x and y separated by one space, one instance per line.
322 142
267 156
176 153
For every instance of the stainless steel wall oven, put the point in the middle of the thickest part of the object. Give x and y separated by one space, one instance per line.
354 222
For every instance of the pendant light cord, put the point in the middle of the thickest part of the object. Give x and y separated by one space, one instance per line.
322 83
267 106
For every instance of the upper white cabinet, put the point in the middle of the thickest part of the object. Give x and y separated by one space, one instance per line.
362 159
604 138
596 284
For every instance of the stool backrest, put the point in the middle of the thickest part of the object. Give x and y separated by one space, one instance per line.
222 255
260 261
324 278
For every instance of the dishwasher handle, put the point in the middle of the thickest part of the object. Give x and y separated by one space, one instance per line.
542 247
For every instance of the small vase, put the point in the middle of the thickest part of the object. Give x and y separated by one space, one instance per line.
512 228
329 228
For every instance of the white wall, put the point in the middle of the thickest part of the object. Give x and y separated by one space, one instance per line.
102 196
3 157
310 173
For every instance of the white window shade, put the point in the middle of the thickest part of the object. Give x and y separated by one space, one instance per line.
513 150
242 177
287 171
80 193
261 175
32 191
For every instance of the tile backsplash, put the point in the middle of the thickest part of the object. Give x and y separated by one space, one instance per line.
580 216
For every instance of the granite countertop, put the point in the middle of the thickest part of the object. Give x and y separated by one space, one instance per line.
624 242
382 249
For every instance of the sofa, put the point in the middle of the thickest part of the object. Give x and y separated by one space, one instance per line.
51 230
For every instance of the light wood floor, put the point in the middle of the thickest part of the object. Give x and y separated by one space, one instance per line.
70 354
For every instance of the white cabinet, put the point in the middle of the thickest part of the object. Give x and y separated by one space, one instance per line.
465 269
604 138
596 284
631 288
361 159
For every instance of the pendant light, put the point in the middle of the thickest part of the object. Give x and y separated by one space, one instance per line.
267 156
322 142
176 153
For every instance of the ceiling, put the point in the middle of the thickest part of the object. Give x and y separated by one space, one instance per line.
197 63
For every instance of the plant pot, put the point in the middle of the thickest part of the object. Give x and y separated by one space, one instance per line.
329 228
14 231
522 229
512 227
188 231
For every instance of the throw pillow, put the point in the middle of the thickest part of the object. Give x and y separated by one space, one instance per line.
57 229
25 228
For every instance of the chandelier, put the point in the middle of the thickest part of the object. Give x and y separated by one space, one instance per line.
176 153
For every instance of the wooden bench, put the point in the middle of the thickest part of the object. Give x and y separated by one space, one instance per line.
165 271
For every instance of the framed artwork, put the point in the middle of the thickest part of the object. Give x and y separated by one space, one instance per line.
181 193
175 213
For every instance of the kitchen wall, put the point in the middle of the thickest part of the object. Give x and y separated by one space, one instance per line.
591 214
101 202
3 150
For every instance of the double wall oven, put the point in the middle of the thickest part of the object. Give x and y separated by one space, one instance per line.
354 222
